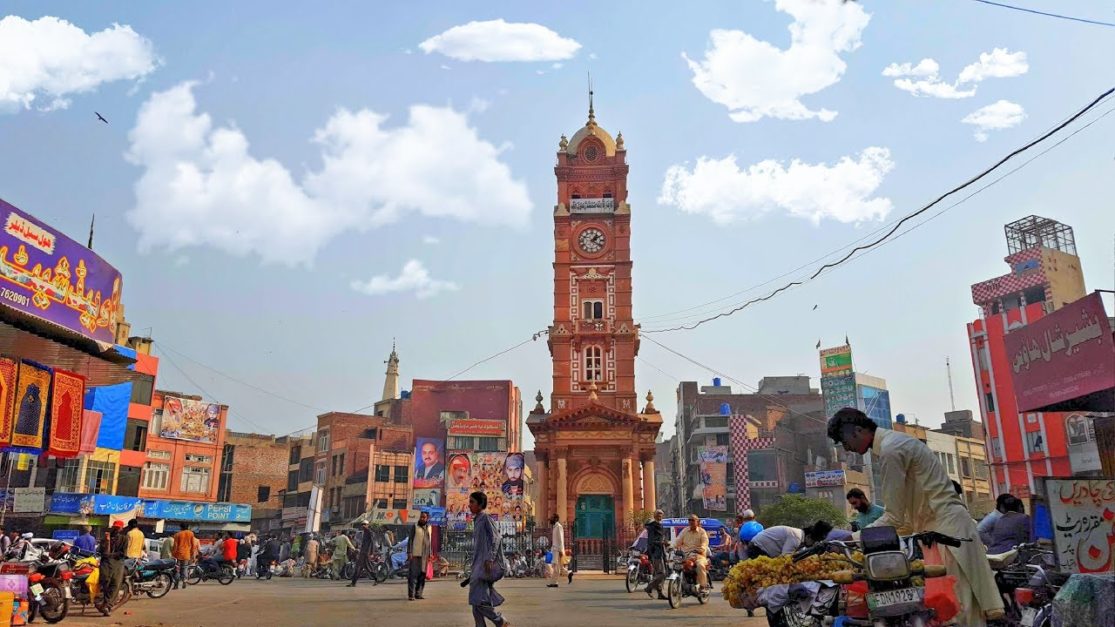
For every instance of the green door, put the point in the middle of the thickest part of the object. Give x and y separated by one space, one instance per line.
595 513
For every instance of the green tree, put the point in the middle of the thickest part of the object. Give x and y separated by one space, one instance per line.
794 510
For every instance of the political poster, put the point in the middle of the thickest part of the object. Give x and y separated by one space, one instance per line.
1083 524
187 419
713 464
498 475
429 463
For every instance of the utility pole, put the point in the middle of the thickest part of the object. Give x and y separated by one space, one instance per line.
952 397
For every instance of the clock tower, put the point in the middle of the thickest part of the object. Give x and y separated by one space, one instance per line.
595 448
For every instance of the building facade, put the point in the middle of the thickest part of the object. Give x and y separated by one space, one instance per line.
593 444
183 464
1045 274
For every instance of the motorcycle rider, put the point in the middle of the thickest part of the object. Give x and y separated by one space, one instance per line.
656 553
694 539
112 549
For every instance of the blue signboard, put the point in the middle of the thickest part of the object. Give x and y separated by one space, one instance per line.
66 502
197 512
436 514
69 535
109 504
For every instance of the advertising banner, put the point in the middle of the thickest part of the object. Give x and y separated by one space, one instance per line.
29 500
1084 454
498 475
839 392
86 504
429 463
1083 524
467 427
51 277
392 516
824 479
713 462
200 512
1063 356
836 361
185 419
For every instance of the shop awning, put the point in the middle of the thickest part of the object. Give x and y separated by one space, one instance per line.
99 364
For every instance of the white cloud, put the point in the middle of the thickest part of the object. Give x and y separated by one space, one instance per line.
431 240
413 278
924 79
994 117
755 79
201 186
497 40
54 59
720 189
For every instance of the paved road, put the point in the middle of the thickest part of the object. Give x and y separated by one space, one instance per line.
314 602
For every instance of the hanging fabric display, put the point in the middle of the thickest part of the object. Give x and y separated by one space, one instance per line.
8 375
90 427
66 399
30 408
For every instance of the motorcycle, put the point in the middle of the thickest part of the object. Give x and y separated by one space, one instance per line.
154 578
1028 583
895 578
639 571
50 588
682 580
85 585
209 568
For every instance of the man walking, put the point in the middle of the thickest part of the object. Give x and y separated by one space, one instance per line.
134 536
184 553
920 497
112 565
656 553
419 547
557 549
85 542
341 546
364 555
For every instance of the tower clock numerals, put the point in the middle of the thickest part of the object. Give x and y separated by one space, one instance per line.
591 240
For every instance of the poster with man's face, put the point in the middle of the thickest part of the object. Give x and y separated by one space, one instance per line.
460 471
429 463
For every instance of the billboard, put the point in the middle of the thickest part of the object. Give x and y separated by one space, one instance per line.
1063 356
1082 523
824 479
839 392
470 426
1084 454
836 360
51 277
186 419
498 475
713 461
429 463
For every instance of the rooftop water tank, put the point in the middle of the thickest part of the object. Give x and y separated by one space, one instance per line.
900 419
725 409
716 381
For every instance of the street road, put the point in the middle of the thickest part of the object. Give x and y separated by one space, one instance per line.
314 602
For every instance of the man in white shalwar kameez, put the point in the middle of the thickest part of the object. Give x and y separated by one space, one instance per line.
919 496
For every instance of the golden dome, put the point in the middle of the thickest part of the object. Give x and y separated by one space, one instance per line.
591 129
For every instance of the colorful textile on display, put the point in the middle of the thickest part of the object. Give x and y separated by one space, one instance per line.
8 374
31 405
112 401
67 396
90 427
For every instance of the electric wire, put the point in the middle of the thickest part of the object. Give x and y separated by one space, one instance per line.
205 392
1046 14
899 223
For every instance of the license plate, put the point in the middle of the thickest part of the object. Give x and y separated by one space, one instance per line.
891 598
1028 616
36 589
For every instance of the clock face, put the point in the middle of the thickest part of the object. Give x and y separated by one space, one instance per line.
591 240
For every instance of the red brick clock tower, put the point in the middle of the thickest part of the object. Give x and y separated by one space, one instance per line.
595 448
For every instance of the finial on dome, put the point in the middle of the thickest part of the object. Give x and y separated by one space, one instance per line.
619 141
591 111
592 392
538 408
650 409
564 143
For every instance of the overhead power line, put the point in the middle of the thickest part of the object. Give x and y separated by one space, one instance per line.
1036 12
206 393
898 224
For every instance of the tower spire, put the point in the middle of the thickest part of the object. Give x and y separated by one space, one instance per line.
391 382
591 112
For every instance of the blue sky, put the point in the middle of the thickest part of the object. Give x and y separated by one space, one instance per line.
288 187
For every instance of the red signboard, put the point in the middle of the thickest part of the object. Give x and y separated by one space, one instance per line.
494 428
1063 356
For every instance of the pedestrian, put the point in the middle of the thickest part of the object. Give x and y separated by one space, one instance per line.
184 553
487 565
986 525
866 511
557 546
112 566
341 546
243 557
267 555
6 542
85 542
920 497
310 564
1012 529
284 550
134 536
364 555
419 546
656 553
166 548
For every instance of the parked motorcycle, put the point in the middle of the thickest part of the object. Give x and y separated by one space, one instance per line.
638 568
50 588
209 568
895 579
682 580
154 578
1028 583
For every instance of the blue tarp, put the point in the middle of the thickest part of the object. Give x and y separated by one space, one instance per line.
112 401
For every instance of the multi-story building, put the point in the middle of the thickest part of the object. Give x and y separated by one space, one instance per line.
971 459
665 476
301 453
343 450
960 423
434 404
1045 274
254 471
185 441
873 398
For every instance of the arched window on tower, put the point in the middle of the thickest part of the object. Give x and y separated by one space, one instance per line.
594 361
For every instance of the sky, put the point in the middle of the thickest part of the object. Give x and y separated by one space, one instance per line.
289 188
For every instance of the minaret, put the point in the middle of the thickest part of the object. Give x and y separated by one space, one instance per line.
391 382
